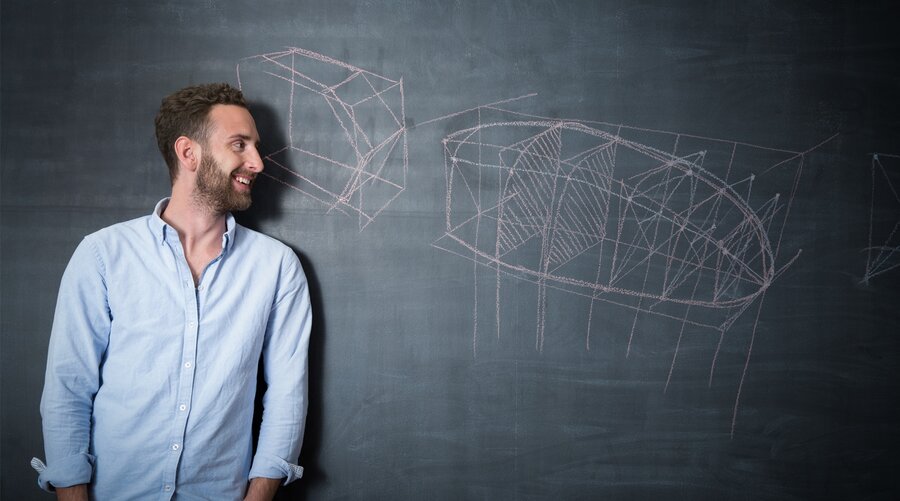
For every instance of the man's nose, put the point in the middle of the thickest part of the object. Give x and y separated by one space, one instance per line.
254 161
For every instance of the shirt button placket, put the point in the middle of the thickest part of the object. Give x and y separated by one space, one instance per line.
189 349
185 386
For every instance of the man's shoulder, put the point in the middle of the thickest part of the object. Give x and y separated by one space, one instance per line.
256 242
114 243
123 229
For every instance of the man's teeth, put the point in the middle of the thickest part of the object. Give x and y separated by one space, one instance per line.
242 180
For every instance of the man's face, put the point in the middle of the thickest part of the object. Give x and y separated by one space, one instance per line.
230 160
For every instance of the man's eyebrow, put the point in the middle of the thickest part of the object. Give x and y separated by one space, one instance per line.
245 137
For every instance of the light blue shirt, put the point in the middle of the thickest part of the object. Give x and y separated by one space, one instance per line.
150 381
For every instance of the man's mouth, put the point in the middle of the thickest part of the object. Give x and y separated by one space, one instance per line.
245 180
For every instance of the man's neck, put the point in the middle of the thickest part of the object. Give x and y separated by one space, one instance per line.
199 229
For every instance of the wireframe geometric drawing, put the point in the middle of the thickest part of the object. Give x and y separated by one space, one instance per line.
883 252
345 129
656 223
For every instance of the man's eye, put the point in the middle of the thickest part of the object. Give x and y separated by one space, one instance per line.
239 145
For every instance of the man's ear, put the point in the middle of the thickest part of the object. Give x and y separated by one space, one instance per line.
188 152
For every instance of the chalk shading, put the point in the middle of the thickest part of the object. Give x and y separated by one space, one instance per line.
345 129
883 251
656 223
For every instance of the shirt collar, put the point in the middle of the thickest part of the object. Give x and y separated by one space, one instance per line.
228 236
161 229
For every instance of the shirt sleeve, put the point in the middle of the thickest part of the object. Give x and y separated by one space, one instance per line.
285 369
78 339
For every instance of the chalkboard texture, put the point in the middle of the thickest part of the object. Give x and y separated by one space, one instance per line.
557 250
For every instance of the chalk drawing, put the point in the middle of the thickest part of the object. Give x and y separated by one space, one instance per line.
883 251
657 223
345 129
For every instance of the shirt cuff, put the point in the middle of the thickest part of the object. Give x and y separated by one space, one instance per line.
267 466
73 470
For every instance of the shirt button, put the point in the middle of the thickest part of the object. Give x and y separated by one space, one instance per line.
190 324
168 487
200 288
187 365
174 447
182 407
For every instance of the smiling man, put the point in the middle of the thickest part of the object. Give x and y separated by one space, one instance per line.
160 325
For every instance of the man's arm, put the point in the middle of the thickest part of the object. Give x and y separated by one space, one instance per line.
284 356
75 493
78 340
262 489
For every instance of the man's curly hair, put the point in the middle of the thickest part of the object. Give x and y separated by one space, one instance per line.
186 113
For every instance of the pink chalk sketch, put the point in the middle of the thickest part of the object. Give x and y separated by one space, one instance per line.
883 251
660 224
345 129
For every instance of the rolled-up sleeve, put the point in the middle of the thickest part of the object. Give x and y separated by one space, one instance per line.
285 368
78 340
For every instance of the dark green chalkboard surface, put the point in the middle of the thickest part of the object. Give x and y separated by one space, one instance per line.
558 250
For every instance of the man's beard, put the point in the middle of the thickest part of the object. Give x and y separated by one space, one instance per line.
214 190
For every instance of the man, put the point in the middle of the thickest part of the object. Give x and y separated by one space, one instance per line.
159 327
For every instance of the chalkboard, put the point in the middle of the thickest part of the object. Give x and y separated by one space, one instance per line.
557 250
